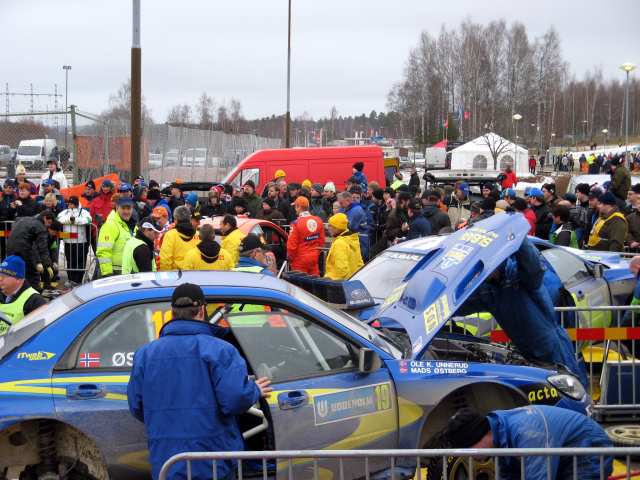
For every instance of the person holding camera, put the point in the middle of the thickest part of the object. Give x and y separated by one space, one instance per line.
76 224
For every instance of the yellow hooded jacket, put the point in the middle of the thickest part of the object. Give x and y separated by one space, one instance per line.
231 243
175 246
344 258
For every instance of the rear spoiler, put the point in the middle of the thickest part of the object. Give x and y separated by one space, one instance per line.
346 295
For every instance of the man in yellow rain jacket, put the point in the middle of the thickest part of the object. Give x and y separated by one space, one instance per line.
232 237
344 257
113 236
208 255
178 241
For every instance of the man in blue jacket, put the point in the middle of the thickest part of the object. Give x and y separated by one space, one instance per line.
357 221
358 177
518 286
533 426
188 386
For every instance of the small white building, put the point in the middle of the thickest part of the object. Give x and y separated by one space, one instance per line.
476 155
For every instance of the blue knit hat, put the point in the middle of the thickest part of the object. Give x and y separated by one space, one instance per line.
192 199
509 192
536 192
464 188
12 266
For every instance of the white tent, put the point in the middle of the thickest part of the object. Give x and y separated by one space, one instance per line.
476 155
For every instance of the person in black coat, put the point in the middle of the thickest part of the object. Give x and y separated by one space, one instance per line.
436 217
30 241
25 205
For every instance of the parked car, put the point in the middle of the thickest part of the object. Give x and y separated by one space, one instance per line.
338 383
5 154
35 153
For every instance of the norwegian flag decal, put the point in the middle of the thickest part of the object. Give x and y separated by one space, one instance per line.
89 360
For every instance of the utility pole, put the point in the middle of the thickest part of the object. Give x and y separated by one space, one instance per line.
66 69
628 68
136 93
287 119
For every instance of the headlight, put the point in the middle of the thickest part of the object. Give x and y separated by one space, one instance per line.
568 384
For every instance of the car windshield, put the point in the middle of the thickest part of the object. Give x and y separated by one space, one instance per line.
385 272
37 321
29 150
359 328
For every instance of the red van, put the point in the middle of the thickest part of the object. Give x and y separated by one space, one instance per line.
320 165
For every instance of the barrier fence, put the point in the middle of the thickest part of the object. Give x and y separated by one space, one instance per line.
72 250
513 463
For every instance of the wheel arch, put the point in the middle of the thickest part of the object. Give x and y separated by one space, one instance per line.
483 396
19 445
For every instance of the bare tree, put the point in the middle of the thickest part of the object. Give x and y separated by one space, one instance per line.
235 108
205 110
179 115
497 145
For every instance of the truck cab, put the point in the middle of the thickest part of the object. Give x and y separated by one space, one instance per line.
36 152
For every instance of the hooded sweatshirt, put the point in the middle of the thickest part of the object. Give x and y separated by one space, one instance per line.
176 244
208 256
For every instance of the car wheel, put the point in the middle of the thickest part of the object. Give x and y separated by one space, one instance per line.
458 469
624 435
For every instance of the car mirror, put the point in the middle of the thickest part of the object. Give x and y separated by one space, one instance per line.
368 361
598 270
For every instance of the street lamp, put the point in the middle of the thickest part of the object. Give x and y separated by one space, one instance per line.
516 118
628 68
66 69
604 141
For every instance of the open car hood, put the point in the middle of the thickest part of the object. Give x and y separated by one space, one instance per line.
445 278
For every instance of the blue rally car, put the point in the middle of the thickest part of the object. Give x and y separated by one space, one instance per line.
338 383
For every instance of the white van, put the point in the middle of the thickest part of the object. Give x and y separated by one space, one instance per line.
35 152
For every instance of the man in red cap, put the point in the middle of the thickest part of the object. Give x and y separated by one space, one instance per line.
305 239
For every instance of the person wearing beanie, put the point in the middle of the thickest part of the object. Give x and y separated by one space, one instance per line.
487 209
177 242
89 192
155 200
344 257
489 190
306 238
610 230
431 200
231 237
316 202
18 297
633 218
271 213
102 204
25 205
549 194
21 177
208 255
29 240
459 206
358 177
418 226
213 207
8 203
542 211
76 222
329 197
253 201
563 233
53 173
581 216
533 426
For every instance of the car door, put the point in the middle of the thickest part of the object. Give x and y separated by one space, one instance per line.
320 399
95 382
585 289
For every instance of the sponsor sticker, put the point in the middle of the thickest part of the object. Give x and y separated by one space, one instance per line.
353 403
436 313
456 255
479 236
395 295
434 367
417 345
122 359
35 356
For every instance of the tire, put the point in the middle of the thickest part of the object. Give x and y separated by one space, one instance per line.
458 469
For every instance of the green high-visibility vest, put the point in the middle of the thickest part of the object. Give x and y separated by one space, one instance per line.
14 311
573 243
128 263
246 307
397 184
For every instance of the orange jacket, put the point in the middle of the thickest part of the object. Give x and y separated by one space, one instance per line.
305 238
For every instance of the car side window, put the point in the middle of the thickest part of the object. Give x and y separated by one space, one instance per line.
284 346
568 267
114 340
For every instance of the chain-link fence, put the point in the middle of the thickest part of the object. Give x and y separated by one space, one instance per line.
95 145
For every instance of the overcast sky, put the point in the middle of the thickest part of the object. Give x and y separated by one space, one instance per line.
346 53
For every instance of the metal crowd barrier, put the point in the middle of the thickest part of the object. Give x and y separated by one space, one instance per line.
76 254
401 464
